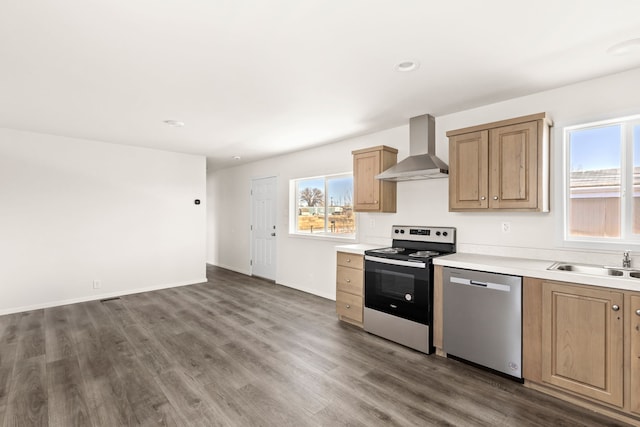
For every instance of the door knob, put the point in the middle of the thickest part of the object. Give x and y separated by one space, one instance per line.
615 307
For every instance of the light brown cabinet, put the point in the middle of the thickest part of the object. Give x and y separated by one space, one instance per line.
634 367
350 287
371 194
583 340
500 166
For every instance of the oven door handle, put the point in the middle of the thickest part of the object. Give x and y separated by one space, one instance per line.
389 261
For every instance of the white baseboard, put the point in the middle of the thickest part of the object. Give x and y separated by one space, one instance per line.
99 297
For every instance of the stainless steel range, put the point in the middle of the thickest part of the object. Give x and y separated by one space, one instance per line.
398 295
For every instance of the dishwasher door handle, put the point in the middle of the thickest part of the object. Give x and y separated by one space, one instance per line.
476 283
487 285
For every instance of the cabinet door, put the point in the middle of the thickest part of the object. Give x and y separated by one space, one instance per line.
347 259
582 336
349 307
350 280
513 173
635 354
366 187
468 166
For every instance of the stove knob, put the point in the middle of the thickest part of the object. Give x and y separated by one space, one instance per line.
397 231
401 231
437 233
444 233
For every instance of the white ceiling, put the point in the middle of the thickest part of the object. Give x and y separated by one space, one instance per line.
256 78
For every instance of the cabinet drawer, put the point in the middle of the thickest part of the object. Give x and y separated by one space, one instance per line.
350 280
350 306
350 260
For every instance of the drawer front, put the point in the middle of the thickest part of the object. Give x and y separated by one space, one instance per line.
350 280
348 305
350 260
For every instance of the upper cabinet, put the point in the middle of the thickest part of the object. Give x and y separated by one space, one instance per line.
500 166
371 194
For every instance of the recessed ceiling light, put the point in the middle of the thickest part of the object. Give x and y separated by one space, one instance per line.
174 123
624 47
408 65
236 157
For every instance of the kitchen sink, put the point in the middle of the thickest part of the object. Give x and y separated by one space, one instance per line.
595 270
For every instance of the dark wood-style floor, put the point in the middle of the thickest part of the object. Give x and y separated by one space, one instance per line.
239 351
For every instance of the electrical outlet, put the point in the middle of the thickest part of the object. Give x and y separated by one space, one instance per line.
97 284
506 227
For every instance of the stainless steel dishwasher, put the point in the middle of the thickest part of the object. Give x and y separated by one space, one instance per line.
482 319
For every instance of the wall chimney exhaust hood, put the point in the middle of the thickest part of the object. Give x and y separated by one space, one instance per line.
422 162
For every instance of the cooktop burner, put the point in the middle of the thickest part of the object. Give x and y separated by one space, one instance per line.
424 254
389 250
417 244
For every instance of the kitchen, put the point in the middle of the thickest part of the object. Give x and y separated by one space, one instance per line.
531 235
304 263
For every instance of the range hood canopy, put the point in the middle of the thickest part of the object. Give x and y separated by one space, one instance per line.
422 162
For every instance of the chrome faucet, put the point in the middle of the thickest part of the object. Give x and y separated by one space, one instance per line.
626 261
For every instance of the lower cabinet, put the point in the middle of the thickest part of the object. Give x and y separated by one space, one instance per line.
350 287
634 368
583 340
582 343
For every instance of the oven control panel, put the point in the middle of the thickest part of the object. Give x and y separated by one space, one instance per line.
424 234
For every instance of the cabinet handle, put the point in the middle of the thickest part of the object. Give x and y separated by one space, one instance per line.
348 306
348 280
638 312
615 307
375 201
495 197
483 198
348 259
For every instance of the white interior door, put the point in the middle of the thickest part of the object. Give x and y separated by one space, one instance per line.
263 227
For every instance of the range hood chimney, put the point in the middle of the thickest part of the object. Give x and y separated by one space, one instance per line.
422 162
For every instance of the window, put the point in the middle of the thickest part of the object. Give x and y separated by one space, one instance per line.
602 181
323 206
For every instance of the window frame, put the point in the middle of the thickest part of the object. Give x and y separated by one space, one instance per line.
293 208
627 239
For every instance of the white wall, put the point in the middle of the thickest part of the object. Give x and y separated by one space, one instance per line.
74 211
310 265
302 263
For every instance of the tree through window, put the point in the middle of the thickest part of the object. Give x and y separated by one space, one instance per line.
324 206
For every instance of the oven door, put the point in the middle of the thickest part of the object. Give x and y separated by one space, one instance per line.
400 288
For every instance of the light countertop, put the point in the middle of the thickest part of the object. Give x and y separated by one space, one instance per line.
357 248
532 268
